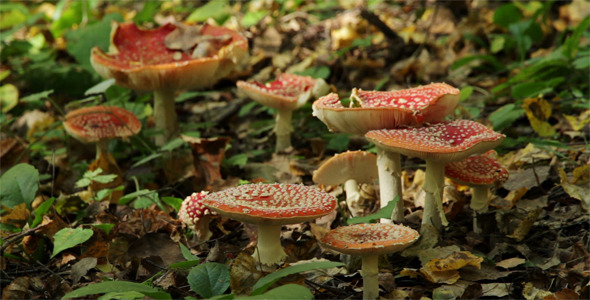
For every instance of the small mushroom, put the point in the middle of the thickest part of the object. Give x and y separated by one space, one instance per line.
100 124
369 241
195 215
349 168
438 144
373 110
270 206
138 59
480 172
286 93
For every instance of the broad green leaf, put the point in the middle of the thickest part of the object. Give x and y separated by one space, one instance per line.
8 97
42 209
498 42
465 93
130 295
582 63
100 87
265 282
19 185
37 97
534 89
69 237
212 9
498 65
118 287
251 18
506 15
12 14
322 72
505 116
237 160
106 227
173 201
287 291
209 279
82 40
338 141
186 253
147 13
384 212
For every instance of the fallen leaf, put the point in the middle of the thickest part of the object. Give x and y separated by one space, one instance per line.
564 294
207 154
525 225
527 178
82 267
455 261
580 121
17 289
244 274
538 110
497 289
511 262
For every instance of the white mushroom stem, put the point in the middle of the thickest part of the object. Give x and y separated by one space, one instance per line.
479 204
370 273
269 250
433 186
283 129
353 197
165 116
390 185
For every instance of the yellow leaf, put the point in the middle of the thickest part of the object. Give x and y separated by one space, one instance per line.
454 261
8 97
525 225
577 123
538 110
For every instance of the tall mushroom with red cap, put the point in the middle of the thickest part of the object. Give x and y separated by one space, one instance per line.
480 172
286 93
349 168
369 241
161 60
373 110
270 206
100 124
438 144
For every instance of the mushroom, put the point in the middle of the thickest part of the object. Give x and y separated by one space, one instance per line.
139 59
373 110
369 241
286 93
349 168
438 144
269 206
480 172
195 215
100 124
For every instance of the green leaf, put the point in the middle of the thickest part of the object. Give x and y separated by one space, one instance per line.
505 116
384 212
69 237
287 291
12 14
173 201
106 227
582 63
465 93
572 43
147 159
186 253
19 185
117 287
338 141
173 144
212 9
322 72
37 97
534 89
130 295
8 97
93 175
82 40
147 13
251 18
209 279
41 210
506 15
237 160
100 87
265 282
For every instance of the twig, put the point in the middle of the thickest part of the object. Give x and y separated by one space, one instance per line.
374 20
11 239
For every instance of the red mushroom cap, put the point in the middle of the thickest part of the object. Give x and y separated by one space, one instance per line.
91 124
358 165
287 91
271 204
386 110
192 209
139 59
370 239
479 170
448 141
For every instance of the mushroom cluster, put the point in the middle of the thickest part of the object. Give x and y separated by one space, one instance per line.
167 59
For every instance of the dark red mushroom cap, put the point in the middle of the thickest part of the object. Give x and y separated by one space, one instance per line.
448 141
372 110
192 209
271 204
370 239
139 59
287 91
479 170
91 124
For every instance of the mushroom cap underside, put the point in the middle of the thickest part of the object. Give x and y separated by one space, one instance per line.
358 165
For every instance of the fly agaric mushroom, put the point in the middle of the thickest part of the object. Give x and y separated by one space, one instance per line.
100 124
480 172
195 215
139 59
350 168
269 206
373 110
438 144
369 241
286 93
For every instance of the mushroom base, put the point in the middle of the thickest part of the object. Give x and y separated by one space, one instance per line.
433 186
370 273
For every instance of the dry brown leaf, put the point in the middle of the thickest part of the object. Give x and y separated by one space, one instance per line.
207 154
564 294
455 261
511 262
17 289
525 225
497 289
243 274
17 216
